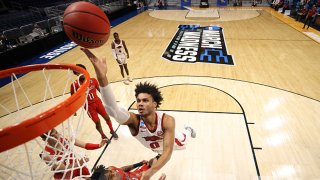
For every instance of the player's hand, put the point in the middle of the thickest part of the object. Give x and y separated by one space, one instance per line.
100 66
152 161
144 176
144 161
162 177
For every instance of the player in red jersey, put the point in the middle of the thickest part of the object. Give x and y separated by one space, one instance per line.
61 159
95 105
130 172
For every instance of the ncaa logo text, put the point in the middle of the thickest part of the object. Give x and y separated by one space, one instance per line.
193 43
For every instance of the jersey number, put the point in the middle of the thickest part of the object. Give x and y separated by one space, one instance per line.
90 96
154 145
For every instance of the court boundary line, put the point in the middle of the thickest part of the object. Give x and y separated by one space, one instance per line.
244 115
251 82
199 76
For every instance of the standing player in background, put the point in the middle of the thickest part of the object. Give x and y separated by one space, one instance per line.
121 54
155 130
95 105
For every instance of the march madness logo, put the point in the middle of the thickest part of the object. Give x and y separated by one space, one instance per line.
193 43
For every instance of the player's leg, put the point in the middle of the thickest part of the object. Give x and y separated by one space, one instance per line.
125 81
93 114
102 111
121 70
181 138
99 129
127 71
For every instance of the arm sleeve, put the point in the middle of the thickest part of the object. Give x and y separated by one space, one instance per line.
120 114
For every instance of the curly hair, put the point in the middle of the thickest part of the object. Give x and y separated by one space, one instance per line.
80 65
151 89
99 173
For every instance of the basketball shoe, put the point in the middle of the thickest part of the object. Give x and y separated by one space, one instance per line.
129 79
192 131
126 82
114 134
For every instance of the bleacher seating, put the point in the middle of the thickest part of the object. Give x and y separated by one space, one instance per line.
26 29
18 23
44 25
12 35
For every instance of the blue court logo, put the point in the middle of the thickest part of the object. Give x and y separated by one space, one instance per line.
193 43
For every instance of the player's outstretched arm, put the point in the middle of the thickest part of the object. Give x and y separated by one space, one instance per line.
121 115
168 142
100 66
90 146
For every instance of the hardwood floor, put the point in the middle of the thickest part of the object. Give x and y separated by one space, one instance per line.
258 117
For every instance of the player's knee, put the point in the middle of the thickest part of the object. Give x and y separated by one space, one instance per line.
107 118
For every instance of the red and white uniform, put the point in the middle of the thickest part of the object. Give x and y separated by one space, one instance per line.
95 105
120 52
81 171
153 139
134 175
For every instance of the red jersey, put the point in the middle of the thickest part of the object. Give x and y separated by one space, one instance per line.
70 174
93 87
134 175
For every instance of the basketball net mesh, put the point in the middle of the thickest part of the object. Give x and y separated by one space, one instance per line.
30 160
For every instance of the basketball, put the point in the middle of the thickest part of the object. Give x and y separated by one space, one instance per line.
86 24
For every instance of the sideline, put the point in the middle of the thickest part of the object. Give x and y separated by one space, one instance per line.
312 33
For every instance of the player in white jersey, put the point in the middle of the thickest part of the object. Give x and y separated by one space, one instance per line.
121 54
153 138
148 99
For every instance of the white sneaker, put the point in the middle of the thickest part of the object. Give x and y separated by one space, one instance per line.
129 79
192 131
126 82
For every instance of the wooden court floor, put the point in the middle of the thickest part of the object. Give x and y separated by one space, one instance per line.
257 119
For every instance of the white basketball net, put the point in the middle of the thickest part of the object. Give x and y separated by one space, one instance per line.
30 160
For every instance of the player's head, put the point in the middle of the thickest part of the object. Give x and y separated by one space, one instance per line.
116 36
102 173
145 91
81 78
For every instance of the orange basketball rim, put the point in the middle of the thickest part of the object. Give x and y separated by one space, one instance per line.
14 135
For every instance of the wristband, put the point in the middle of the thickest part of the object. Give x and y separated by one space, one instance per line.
90 146
137 164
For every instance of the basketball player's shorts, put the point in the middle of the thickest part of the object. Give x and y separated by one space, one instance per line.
96 108
122 59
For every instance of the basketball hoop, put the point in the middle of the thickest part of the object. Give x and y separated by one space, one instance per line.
22 135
